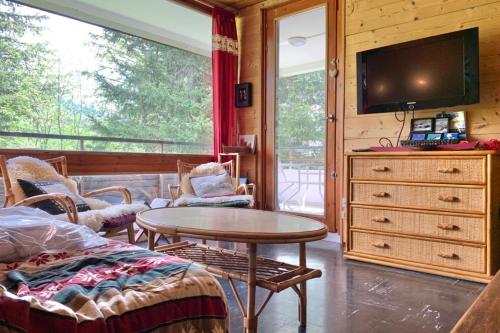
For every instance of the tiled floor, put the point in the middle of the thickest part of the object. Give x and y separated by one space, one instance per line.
358 297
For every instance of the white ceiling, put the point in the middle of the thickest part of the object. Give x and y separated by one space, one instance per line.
160 20
310 57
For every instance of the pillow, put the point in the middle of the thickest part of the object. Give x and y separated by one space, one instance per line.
33 187
212 185
27 232
211 168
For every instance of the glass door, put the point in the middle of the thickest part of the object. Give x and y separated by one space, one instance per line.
300 107
300 129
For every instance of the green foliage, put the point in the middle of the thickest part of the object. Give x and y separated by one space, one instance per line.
20 66
300 117
143 90
150 90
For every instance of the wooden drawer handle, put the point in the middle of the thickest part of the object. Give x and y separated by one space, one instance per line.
449 255
447 170
448 226
381 194
380 245
448 198
380 219
380 168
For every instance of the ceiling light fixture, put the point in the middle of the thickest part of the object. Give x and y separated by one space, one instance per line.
297 41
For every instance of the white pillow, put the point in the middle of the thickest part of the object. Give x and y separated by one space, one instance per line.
212 185
27 232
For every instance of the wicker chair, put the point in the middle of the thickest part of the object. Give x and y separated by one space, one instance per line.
232 168
60 165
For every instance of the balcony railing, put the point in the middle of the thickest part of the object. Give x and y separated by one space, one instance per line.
301 179
163 145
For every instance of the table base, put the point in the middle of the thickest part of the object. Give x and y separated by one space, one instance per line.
253 270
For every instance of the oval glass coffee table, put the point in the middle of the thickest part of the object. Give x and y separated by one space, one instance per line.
239 225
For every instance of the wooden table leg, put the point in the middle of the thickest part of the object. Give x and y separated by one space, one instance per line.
151 240
303 288
139 234
251 319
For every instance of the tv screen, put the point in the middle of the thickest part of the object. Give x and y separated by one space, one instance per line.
433 72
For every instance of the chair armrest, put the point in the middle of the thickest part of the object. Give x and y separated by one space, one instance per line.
174 191
119 189
242 189
247 189
252 190
64 200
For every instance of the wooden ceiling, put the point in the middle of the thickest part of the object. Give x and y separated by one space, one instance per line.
238 4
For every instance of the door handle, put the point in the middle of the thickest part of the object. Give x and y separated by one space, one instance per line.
330 117
334 71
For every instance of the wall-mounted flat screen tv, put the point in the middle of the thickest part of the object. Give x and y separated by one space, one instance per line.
438 71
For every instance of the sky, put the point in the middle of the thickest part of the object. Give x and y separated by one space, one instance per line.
68 38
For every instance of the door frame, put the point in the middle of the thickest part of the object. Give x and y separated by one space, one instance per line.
334 92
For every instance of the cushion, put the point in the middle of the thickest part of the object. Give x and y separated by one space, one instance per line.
212 185
235 203
27 232
24 167
211 168
232 200
32 188
96 218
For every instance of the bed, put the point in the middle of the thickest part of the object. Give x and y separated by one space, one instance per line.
113 287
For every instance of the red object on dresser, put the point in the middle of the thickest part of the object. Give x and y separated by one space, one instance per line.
492 144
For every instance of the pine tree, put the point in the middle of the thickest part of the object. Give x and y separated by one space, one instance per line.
151 90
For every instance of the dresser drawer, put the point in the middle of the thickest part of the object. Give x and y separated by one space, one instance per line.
442 170
451 198
424 224
420 251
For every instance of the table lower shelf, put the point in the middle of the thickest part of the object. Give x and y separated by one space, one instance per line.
231 264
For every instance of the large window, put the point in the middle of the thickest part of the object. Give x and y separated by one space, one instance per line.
70 85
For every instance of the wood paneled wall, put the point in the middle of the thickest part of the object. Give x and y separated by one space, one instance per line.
376 23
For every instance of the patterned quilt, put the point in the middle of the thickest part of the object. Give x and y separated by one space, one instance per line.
115 288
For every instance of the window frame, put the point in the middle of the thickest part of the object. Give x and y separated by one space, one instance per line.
85 163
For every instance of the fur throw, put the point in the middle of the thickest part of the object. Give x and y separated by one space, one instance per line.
29 168
94 219
211 168
187 199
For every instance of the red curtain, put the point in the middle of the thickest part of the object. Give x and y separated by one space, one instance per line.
224 75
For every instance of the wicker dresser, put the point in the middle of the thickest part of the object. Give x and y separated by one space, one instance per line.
435 212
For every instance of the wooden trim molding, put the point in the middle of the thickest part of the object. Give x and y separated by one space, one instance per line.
339 116
205 6
101 163
335 90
